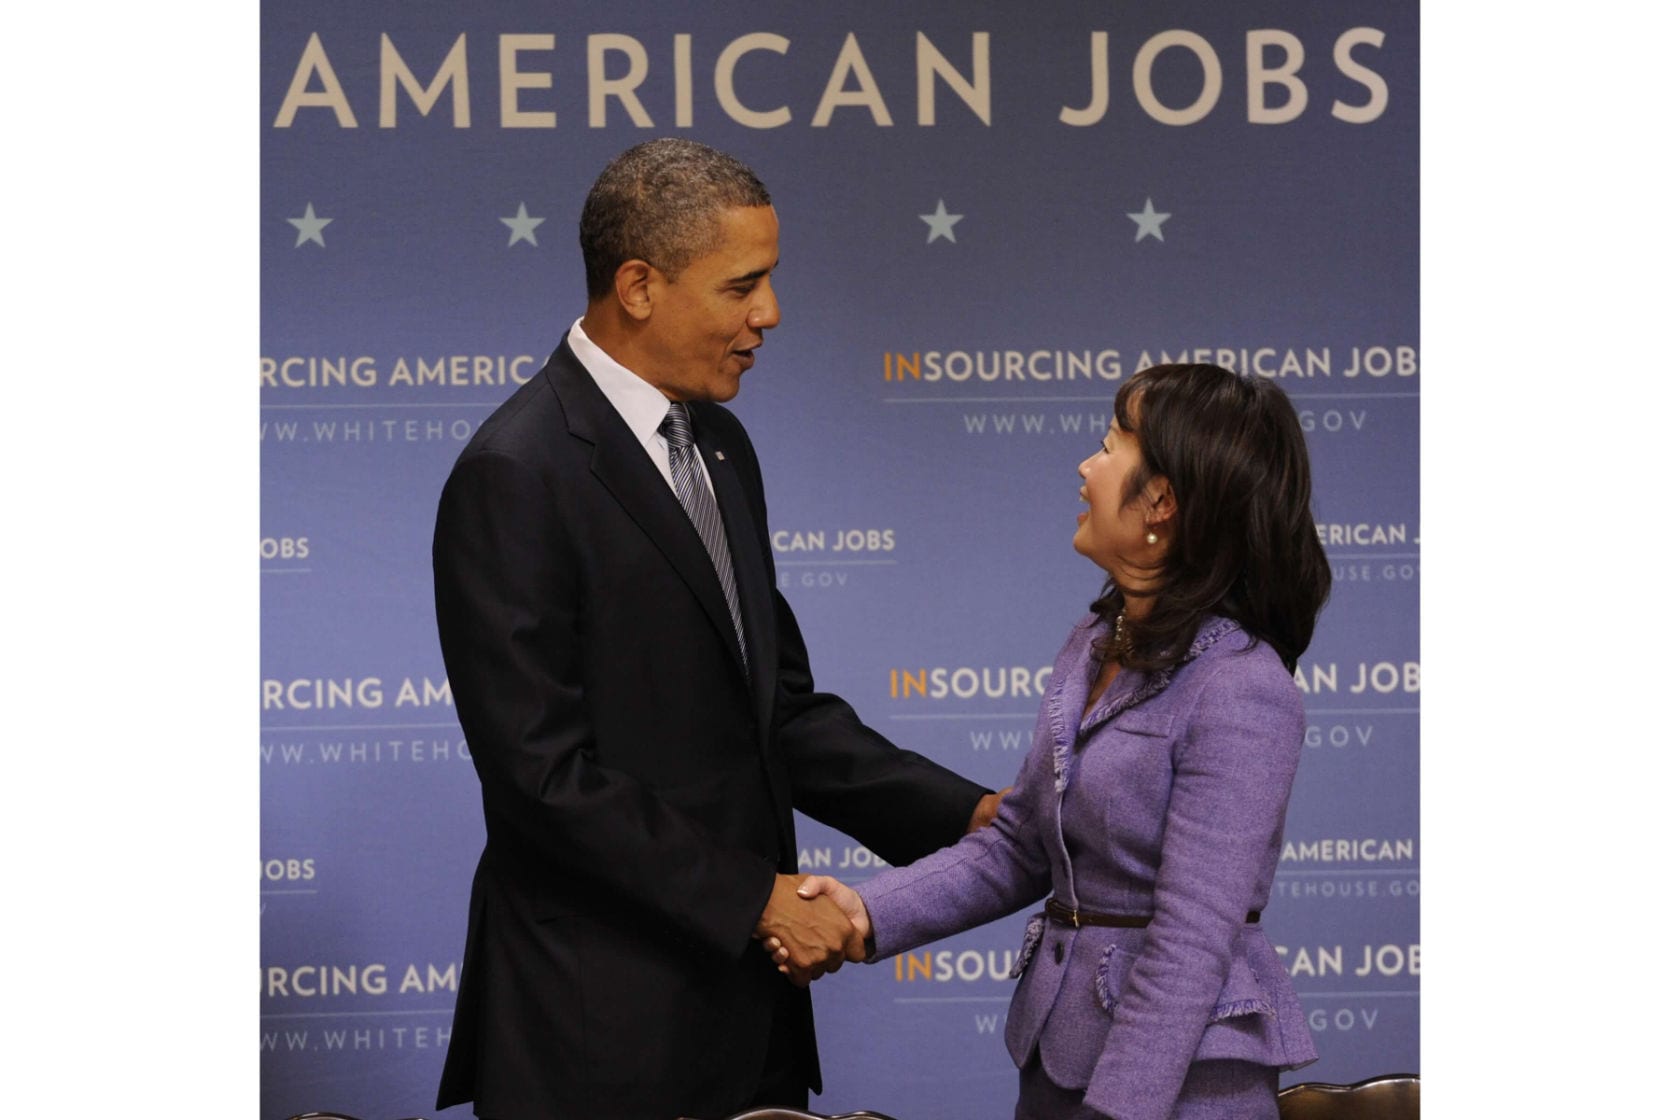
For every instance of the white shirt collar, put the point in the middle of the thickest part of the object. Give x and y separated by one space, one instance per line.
641 405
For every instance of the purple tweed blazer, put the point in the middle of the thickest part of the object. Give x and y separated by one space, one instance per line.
1167 800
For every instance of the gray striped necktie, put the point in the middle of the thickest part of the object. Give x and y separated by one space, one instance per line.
701 507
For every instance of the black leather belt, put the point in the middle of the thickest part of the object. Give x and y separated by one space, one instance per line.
1067 916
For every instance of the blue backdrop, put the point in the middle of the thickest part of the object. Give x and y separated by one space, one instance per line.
985 226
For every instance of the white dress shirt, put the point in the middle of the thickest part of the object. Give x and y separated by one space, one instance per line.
641 405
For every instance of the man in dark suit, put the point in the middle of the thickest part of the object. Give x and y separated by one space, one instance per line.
637 698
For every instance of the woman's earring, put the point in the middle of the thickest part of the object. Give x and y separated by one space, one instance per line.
1151 538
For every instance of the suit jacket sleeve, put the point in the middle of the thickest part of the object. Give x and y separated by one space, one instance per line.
843 773
987 874
507 607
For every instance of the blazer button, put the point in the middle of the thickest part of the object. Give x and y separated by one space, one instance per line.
1058 952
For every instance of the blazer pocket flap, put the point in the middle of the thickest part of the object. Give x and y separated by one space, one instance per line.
1157 723
1241 995
1029 944
1257 1017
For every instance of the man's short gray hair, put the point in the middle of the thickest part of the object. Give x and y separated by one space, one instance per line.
659 202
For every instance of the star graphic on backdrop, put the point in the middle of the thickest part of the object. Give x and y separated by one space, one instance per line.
522 227
940 223
309 227
1148 221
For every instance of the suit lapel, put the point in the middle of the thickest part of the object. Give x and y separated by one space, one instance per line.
622 466
752 580
758 609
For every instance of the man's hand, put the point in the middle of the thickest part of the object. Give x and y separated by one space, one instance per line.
849 901
811 937
986 809
821 888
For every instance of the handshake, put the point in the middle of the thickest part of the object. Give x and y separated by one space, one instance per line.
811 925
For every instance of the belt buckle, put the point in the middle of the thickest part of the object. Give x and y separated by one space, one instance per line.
1075 916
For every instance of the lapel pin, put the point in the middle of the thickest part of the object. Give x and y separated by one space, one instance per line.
719 454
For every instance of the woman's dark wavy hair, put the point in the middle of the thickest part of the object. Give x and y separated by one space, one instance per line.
1244 543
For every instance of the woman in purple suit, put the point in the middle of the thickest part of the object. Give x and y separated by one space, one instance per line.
1150 808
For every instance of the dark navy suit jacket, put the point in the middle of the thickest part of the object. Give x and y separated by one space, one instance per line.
638 784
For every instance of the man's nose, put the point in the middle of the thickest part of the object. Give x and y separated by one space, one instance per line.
766 311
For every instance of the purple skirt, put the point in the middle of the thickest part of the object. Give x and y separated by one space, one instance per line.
1213 1090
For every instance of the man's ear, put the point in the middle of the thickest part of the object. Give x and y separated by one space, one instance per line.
633 283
